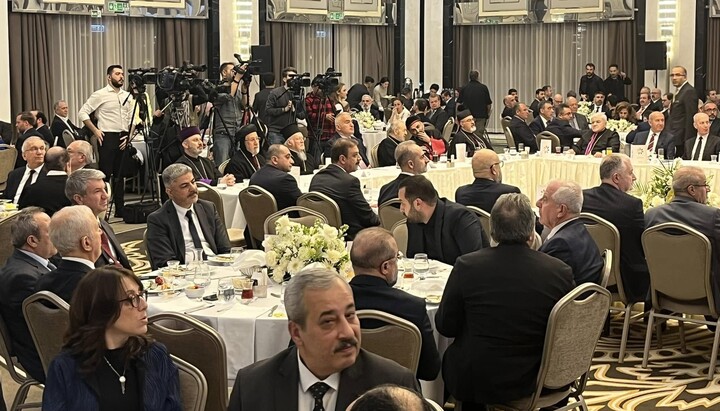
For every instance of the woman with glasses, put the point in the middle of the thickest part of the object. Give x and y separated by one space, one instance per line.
108 362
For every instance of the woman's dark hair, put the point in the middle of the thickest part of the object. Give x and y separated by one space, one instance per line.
382 80
96 305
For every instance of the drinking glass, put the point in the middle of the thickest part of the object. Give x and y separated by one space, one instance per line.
226 292
661 154
421 265
173 264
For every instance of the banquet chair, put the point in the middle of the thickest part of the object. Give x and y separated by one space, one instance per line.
5 225
47 317
607 256
399 340
484 217
67 137
207 193
572 332
200 345
8 156
308 218
389 213
509 137
12 366
505 122
257 205
147 249
679 285
223 166
607 237
374 156
192 384
547 135
447 130
400 233
322 204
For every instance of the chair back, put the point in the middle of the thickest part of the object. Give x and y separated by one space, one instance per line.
389 213
679 284
147 249
193 385
374 155
606 237
547 135
223 166
399 340
447 130
484 217
67 137
8 356
257 205
573 329
47 317
505 122
607 267
509 137
322 204
198 344
8 156
207 193
308 218
400 233
5 225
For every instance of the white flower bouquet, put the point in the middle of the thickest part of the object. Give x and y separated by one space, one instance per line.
658 190
294 246
584 108
620 126
365 119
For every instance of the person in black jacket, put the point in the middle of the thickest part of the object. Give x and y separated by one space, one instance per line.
520 130
295 141
261 97
61 122
488 186
560 126
590 83
48 193
366 104
25 123
374 258
475 97
412 161
275 177
397 133
203 169
247 158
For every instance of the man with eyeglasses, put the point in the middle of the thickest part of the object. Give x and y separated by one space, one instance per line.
25 123
711 109
33 152
704 144
75 232
48 193
684 106
488 186
374 257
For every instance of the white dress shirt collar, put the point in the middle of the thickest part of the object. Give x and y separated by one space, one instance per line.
185 228
307 379
558 227
700 149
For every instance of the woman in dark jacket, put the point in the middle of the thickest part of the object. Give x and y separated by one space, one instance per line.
108 362
247 158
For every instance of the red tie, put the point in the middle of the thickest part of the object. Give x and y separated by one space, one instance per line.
651 143
106 249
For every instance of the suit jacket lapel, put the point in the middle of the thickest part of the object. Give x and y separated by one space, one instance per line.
350 381
205 222
175 229
440 220
286 386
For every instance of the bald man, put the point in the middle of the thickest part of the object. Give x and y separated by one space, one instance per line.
488 186
684 105
657 137
509 102
48 193
704 144
81 155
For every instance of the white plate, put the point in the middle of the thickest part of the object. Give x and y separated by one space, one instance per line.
177 285
433 298
222 259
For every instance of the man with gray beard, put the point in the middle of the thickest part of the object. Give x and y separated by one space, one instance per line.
295 141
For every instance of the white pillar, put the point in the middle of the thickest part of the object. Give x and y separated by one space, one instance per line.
412 39
5 110
433 45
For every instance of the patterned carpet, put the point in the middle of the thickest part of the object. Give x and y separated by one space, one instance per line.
673 380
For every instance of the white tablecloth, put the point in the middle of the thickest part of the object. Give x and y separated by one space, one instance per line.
372 138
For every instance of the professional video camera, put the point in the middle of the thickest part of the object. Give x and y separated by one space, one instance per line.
138 79
252 69
327 82
297 83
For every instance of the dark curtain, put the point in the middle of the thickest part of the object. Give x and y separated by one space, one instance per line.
621 51
179 40
30 63
464 50
713 55
378 53
280 38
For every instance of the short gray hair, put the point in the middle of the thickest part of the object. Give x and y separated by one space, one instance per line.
86 149
27 141
372 247
173 172
686 176
68 225
57 103
275 150
570 194
394 126
316 279
404 152
25 226
614 163
512 219
77 181
595 115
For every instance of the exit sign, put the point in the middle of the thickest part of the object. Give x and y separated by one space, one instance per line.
118 7
336 15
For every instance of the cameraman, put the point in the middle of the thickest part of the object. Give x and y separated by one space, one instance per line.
320 115
229 107
279 110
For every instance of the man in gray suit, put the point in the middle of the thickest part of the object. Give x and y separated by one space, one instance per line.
326 369
577 121
657 137
684 106
688 207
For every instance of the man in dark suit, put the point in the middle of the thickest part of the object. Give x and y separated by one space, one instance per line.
449 102
656 100
295 142
184 223
81 155
21 178
358 90
397 132
275 177
437 115
25 123
535 105
689 207
412 161
704 144
27 264
374 258
87 187
42 127
657 137
569 240
475 97
497 310
684 106
203 169
509 102
336 182
326 369
598 138
540 122
345 129
560 126
61 122
488 186
590 83
711 109
48 193
436 226
610 201
261 97
520 130
75 233
645 108
366 105
577 121
615 82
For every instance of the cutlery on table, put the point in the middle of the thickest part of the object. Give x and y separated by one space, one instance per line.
272 310
222 309
202 307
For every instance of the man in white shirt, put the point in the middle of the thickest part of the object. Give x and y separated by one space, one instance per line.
33 152
326 369
184 223
113 108
704 144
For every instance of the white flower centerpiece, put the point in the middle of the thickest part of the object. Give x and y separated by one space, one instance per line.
584 108
295 246
620 126
658 190
365 119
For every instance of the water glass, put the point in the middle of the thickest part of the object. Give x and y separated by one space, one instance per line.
661 154
173 264
421 265
713 158
521 147
226 292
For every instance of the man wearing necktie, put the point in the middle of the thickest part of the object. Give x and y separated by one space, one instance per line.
33 152
30 239
657 137
184 223
61 122
684 106
704 144
326 369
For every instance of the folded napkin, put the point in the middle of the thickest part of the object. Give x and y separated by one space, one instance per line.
251 258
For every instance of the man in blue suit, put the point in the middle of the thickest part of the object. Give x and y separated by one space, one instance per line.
657 137
569 240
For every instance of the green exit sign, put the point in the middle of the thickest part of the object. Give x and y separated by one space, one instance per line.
118 7
336 15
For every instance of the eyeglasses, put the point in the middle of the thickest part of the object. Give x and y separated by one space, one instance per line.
500 163
707 187
134 300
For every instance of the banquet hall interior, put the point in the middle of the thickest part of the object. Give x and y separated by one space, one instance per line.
484 62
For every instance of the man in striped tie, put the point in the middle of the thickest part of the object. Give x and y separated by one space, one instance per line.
657 137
